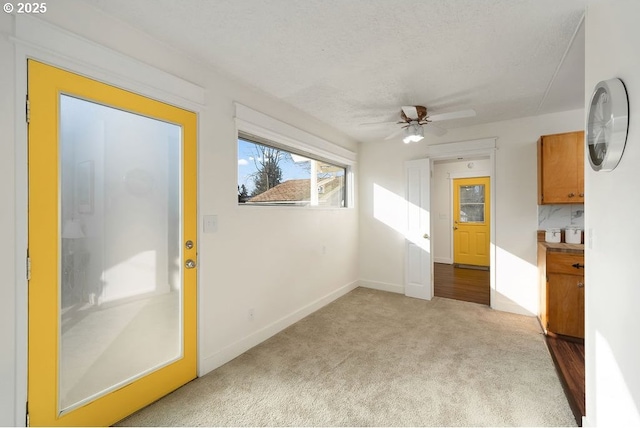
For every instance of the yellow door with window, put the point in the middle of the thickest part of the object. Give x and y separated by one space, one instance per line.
471 235
112 245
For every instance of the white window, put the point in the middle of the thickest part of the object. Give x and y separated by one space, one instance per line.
271 175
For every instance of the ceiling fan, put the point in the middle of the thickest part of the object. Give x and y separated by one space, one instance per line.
413 119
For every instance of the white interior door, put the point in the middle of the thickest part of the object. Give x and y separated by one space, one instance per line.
417 281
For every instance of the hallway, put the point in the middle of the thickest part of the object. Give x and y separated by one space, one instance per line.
469 285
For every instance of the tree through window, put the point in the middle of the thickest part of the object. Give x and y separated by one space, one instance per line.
272 176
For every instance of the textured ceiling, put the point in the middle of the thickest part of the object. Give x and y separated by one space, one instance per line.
348 62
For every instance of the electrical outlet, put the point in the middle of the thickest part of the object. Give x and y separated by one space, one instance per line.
251 315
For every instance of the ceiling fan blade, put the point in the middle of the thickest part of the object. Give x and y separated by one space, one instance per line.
434 130
411 112
364 125
394 134
452 115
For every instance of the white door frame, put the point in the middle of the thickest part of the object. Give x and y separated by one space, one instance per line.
46 42
482 147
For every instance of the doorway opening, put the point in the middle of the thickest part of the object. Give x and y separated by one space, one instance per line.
461 228
469 285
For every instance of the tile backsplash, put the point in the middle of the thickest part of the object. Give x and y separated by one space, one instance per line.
560 216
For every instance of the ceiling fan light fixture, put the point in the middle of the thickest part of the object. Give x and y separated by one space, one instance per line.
413 133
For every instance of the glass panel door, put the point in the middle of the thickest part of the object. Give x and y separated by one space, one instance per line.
112 242
120 216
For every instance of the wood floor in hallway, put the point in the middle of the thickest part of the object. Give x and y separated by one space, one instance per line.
470 285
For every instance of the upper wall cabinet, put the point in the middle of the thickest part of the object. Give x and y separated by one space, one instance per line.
561 168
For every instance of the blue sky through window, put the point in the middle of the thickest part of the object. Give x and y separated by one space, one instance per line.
293 166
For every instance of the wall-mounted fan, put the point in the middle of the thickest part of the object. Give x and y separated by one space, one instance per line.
413 119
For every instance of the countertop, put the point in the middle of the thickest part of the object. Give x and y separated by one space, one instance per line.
563 248
560 247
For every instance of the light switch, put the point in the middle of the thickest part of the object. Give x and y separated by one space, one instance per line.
210 223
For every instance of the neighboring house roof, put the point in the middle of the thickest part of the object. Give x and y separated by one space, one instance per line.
296 191
290 190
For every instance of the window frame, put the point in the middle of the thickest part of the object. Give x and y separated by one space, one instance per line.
269 144
259 128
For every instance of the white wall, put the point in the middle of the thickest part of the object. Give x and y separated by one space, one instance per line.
280 262
441 201
612 283
516 211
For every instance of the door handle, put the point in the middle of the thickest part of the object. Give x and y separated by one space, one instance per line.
581 285
190 264
455 227
426 236
577 266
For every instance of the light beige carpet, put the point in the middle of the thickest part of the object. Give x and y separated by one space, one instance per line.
373 358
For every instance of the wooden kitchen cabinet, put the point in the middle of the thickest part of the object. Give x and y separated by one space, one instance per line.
561 168
561 292
566 305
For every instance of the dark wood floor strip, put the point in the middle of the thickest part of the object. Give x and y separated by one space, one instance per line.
470 285
568 357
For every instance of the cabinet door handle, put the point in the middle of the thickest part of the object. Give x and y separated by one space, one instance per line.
577 266
581 285
581 195
571 195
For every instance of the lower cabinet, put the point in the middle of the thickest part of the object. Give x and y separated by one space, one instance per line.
562 293
565 311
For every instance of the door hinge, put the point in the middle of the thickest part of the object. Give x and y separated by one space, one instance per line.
28 268
27 422
28 109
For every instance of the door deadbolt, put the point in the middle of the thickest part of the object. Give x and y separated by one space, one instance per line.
190 264
188 245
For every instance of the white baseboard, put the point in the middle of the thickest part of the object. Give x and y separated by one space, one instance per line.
444 260
382 286
228 353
